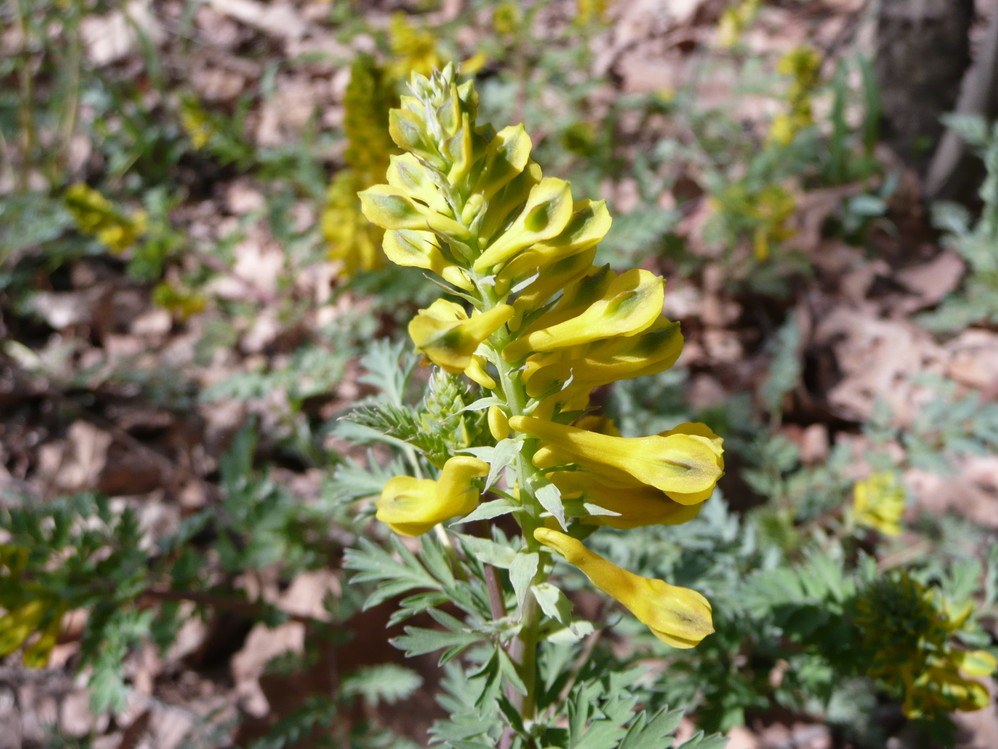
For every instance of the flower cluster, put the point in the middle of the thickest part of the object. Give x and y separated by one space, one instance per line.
539 327
97 217
908 632
878 503
802 65
28 611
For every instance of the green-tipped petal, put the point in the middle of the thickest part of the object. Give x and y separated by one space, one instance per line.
634 506
678 616
631 304
506 156
545 215
610 360
407 174
449 338
589 224
420 249
685 466
389 208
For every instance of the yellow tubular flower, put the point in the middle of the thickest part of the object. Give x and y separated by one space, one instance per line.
632 303
390 208
420 249
477 372
509 200
684 464
589 224
679 617
635 506
411 506
545 215
448 337
610 360
506 156
560 275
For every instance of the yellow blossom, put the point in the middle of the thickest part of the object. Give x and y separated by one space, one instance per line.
415 49
684 464
677 616
97 217
631 506
449 338
411 506
630 303
195 122
908 633
878 503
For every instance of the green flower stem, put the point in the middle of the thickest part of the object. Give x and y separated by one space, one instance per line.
524 654
523 650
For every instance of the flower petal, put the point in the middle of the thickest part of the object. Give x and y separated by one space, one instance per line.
679 617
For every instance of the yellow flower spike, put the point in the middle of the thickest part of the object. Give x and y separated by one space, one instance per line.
545 215
677 616
589 224
96 216
411 506
351 238
634 506
631 304
878 503
683 465
449 338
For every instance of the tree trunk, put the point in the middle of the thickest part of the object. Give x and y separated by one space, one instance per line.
956 172
923 51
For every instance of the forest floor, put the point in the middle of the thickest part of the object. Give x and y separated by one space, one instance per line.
104 390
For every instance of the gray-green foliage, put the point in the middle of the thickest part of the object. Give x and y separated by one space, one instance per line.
974 241
441 596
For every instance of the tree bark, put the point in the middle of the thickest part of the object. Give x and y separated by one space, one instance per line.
956 172
923 51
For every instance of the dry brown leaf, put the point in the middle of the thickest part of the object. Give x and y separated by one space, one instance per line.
973 359
971 491
274 19
877 358
76 463
262 644
930 282
114 36
63 309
